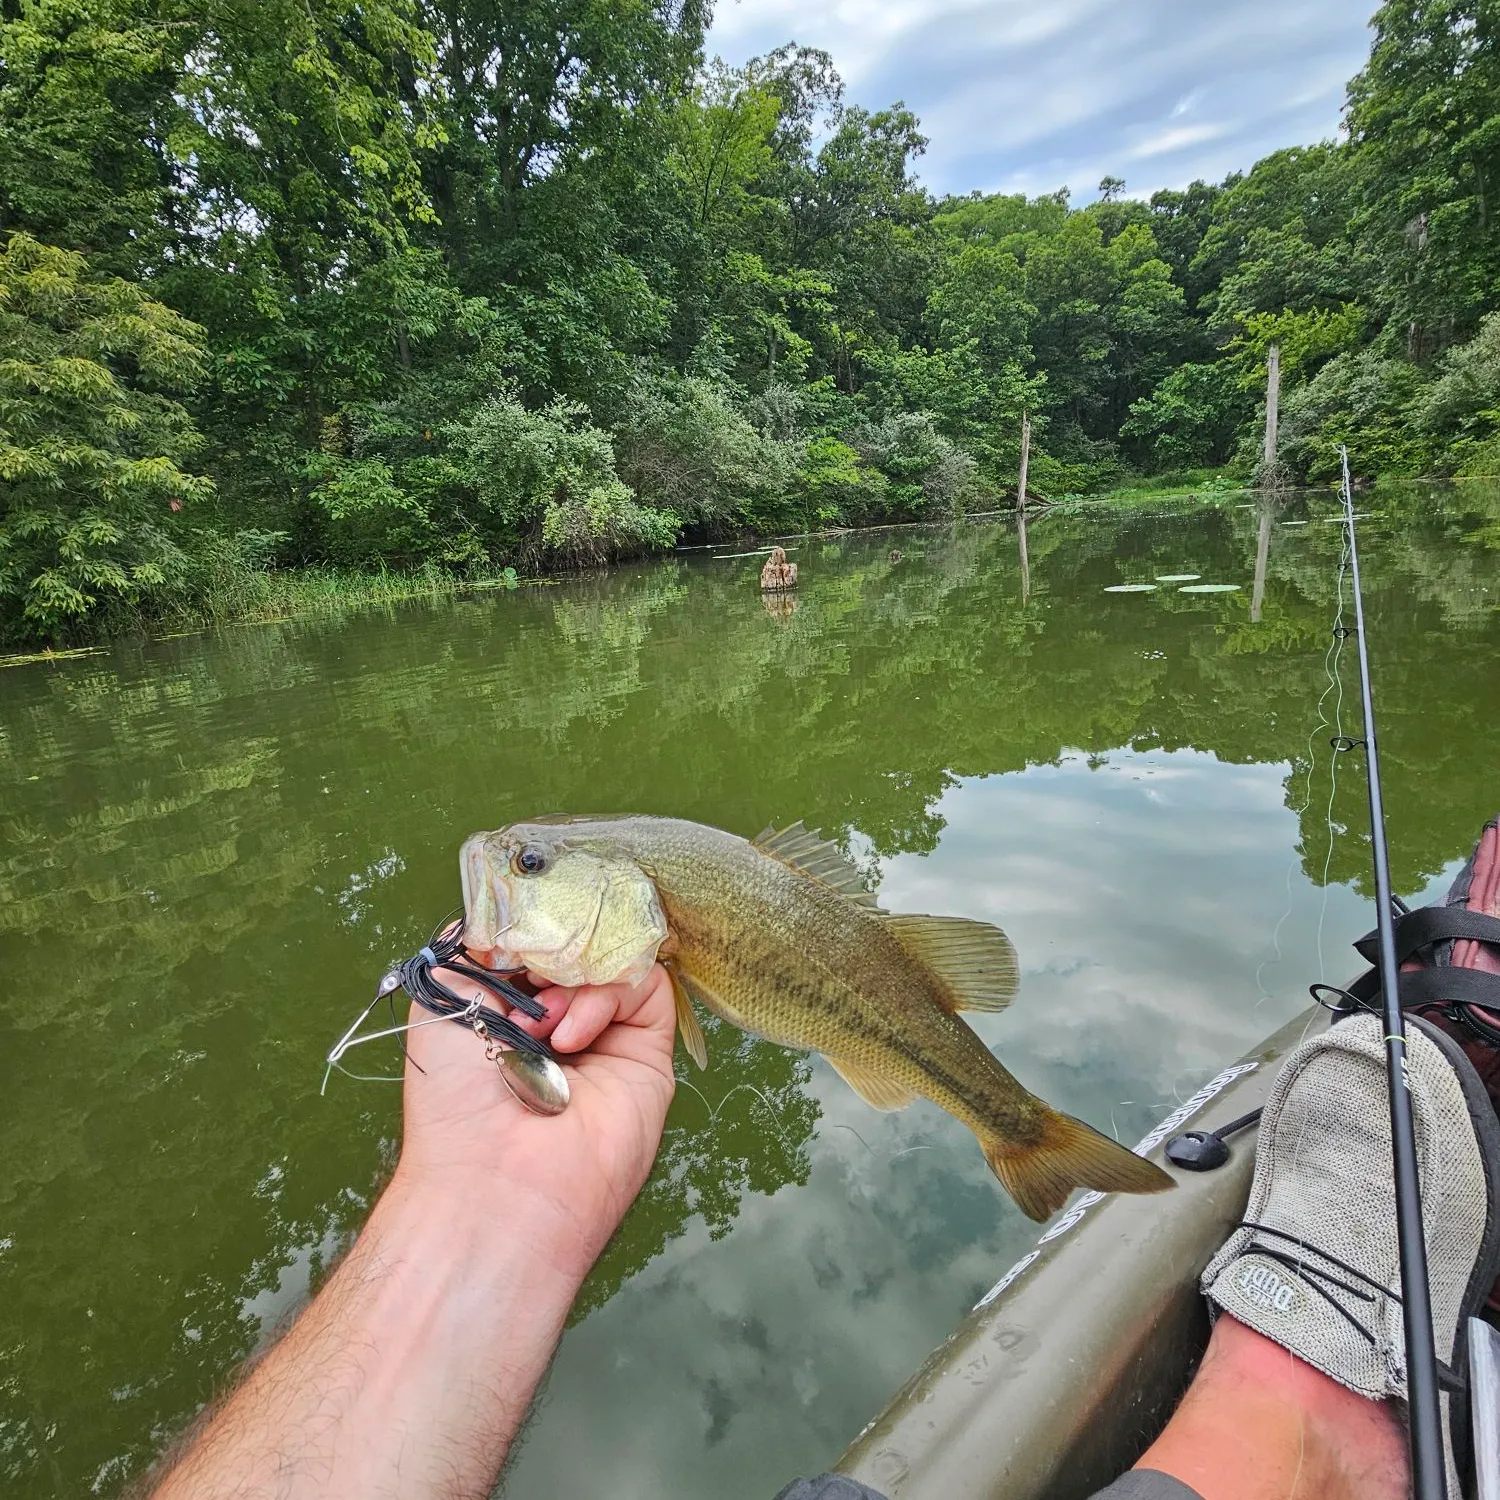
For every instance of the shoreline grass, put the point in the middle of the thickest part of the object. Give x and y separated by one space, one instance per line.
263 597
256 597
1179 484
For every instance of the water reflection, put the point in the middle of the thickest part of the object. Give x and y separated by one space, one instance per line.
1266 506
213 844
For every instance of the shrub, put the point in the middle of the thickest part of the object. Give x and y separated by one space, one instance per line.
1363 400
370 518
838 487
1464 400
545 481
684 447
929 473
1190 418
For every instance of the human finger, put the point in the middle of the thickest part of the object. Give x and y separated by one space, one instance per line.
589 1012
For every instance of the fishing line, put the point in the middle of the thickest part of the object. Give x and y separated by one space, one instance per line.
1424 1426
714 1109
1335 651
1333 684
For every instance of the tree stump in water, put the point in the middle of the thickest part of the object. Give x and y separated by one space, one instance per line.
778 575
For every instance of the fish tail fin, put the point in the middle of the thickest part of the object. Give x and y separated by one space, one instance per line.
1070 1154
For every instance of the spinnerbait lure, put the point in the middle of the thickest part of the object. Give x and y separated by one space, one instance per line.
526 1063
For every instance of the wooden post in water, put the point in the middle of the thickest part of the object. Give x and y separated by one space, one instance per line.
1268 469
1025 459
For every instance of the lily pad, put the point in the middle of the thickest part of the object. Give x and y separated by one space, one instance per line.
1131 588
1210 588
1177 577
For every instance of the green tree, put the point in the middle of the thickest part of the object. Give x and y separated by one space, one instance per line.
1191 418
91 444
1424 124
86 106
1179 221
1278 238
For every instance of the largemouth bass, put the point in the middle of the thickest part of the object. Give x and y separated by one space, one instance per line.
781 938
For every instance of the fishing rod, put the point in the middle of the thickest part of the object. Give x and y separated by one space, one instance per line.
1424 1418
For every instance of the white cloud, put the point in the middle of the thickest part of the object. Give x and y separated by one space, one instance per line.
1025 97
1176 139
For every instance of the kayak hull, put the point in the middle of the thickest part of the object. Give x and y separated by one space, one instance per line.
1060 1378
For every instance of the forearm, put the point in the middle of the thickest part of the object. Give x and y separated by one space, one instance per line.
414 1367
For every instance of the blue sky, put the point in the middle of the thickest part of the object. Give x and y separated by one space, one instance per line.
1031 95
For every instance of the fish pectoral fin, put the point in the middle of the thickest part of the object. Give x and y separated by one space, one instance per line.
874 1088
807 850
976 962
687 1022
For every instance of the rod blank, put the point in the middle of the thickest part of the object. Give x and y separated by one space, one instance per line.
1425 1420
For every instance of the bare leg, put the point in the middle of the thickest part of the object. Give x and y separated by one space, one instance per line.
1259 1424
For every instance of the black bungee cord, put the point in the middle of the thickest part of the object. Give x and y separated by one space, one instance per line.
1424 1416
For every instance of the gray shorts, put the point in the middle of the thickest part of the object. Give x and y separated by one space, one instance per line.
1147 1484
1138 1484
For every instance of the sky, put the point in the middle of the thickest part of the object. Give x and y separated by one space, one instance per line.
1032 95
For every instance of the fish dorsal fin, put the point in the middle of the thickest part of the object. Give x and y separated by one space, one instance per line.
807 850
687 1022
975 961
874 1088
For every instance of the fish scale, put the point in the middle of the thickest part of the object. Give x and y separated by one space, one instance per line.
778 938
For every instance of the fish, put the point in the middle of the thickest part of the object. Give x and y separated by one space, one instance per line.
780 937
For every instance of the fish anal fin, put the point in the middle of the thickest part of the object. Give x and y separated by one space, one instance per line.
1069 1155
975 961
687 1021
807 850
874 1088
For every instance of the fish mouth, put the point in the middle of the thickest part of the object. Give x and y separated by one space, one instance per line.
486 905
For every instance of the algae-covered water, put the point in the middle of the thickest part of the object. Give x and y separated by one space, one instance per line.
213 845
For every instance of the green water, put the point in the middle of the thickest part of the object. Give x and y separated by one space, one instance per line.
212 846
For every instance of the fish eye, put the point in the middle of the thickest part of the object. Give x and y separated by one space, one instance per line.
530 859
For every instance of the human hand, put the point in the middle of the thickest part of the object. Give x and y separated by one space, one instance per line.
577 1172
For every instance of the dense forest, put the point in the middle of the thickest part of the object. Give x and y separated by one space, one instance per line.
400 284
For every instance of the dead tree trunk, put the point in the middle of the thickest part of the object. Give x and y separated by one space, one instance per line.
1273 399
1025 460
